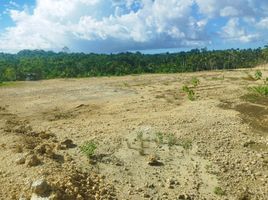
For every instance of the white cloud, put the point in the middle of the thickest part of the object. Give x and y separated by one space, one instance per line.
263 23
232 31
229 11
118 25
58 23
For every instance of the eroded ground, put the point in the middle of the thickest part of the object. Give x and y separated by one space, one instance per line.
152 141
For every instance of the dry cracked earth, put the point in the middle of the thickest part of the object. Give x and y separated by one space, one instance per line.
152 141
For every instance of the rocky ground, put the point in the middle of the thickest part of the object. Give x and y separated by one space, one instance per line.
151 141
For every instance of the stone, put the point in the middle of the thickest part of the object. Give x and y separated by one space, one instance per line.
21 160
41 188
36 197
153 161
67 144
32 161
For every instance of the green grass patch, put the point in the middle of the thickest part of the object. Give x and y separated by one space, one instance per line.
8 84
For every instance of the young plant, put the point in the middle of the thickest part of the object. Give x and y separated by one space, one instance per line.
191 95
185 88
258 75
261 90
195 81
88 148
266 81
190 92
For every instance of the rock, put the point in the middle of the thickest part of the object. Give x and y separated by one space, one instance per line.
32 161
153 161
41 188
67 144
185 197
21 160
36 197
146 195
79 197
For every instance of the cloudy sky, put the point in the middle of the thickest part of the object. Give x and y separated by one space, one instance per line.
128 25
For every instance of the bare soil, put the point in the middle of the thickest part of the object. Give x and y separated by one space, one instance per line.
152 141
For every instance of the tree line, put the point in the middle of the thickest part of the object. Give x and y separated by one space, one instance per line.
47 64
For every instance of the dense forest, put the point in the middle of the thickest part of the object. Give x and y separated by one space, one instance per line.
47 64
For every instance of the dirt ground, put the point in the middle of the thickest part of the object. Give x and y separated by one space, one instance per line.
152 141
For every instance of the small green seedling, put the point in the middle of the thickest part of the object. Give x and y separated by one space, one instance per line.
88 148
195 81
258 75
190 92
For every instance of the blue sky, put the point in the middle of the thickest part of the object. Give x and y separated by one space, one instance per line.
151 26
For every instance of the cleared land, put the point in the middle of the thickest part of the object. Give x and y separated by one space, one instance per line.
152 141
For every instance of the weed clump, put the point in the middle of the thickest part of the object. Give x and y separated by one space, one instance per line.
260 90
190 93
88 148
219 191
258 75
171 140
195 81
159 138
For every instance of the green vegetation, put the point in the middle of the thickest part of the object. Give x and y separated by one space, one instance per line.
258 75
39 64
171 139
195 81
141 140
7 84
186 144
88 148
159 138
260 90
189 92
219 191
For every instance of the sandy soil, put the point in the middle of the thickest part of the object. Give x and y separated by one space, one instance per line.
152 141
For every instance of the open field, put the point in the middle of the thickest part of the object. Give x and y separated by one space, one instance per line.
152 141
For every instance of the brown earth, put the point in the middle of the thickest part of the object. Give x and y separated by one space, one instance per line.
152 141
